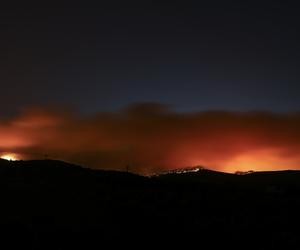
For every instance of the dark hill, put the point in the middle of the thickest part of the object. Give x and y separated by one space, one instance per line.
262 180
56 205
53 172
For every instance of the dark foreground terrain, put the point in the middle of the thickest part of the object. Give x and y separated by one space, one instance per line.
55 205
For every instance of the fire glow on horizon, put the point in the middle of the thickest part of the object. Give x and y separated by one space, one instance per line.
151 138
9 157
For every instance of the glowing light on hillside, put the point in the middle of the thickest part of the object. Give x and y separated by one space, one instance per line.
9 157
263 160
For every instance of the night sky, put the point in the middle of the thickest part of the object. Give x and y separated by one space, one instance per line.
194 56
214 84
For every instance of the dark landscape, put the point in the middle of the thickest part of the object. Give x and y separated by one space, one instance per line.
48 204
150 124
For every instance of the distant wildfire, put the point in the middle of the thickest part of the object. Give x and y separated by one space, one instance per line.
149 138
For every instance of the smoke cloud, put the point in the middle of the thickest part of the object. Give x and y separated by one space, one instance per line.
150 138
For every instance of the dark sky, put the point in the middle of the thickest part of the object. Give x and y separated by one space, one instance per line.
195 56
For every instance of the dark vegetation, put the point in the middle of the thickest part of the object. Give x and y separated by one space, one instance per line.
55 205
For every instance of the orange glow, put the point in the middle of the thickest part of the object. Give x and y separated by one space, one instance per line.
151 138
9 157
261 160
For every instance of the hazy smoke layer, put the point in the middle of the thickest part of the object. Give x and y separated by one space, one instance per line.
150 137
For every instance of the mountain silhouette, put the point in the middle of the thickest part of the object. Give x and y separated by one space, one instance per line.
47 204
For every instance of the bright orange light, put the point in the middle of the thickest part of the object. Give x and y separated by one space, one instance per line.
262 160
9 157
